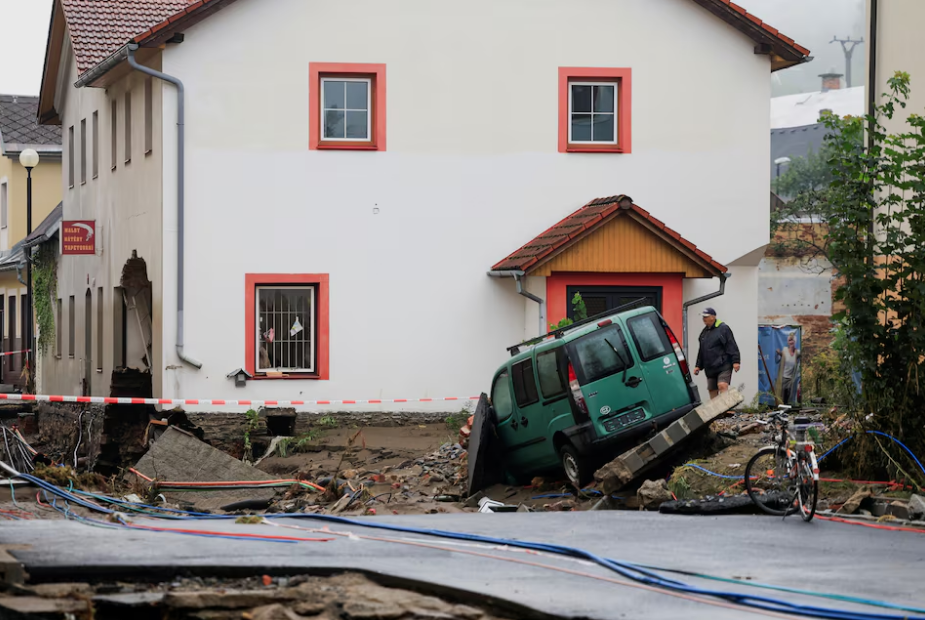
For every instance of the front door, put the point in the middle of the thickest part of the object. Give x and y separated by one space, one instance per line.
601 299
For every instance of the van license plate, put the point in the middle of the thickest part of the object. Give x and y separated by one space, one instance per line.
621 421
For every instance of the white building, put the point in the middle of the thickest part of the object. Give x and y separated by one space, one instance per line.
348 258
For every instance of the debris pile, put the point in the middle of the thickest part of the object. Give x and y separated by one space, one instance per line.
348 597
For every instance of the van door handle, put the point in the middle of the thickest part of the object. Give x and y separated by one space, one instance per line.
633 381
524 421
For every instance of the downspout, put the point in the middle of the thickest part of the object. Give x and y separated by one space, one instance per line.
872 96
518 280
700 300
180 193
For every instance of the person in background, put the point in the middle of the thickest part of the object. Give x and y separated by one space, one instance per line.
718 355
788 360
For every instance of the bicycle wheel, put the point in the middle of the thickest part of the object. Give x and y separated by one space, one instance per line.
770 483
809 490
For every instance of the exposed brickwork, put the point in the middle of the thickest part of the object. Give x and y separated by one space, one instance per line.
809 233
816 334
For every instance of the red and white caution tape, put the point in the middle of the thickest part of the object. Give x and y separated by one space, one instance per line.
100 400
14 352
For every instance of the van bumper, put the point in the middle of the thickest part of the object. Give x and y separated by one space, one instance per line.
586 440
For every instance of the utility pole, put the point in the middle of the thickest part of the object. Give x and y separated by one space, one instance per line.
848 52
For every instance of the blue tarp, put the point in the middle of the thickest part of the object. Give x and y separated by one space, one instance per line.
779 363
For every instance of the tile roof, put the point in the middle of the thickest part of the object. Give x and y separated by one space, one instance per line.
18 122
100 27
588 218
46 230
790 51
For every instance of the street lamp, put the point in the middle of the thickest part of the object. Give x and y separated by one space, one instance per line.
29 160
781 161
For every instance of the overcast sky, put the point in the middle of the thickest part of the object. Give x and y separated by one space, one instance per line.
812 23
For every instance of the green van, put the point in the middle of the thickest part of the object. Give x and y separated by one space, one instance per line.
587 392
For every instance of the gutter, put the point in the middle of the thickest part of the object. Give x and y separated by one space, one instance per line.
518 280
181 149
117 57
700 300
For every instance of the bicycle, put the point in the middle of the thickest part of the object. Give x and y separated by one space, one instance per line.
783 478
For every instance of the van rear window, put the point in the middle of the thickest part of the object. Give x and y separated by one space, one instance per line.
524 383
600 354
650 337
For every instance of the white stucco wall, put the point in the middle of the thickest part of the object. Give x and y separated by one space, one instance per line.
471 173
126 205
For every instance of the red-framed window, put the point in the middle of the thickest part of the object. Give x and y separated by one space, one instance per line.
595 110
347 106
286 325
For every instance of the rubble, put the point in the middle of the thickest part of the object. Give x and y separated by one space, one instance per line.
917 507
652 494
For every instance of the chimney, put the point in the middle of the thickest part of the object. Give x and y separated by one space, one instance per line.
831 81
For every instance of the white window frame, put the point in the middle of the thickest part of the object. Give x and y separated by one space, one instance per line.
311 326
369 109
616 111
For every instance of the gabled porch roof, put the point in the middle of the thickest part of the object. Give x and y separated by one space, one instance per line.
611 235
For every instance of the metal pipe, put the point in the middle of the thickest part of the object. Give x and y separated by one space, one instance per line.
518 280
872 99
700 300
181 118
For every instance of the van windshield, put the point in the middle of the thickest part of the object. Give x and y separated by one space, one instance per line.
600 354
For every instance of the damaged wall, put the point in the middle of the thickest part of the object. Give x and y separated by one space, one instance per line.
797 287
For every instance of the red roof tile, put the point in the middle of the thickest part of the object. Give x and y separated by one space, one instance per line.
100 27
594 214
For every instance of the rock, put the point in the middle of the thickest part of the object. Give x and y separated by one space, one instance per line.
227 599
349 474
854 502
900 510
652 494
272 612
917 507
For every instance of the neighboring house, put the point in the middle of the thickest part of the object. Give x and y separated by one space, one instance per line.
893 41
806 108
18 132
333 251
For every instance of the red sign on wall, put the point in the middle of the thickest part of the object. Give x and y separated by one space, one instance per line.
78 237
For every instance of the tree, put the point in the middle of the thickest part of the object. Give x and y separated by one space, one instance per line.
876 240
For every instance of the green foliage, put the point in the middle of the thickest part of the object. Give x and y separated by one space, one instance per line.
44 293
805 174
681 488
456 421
328 422
251 421
876 237
578 309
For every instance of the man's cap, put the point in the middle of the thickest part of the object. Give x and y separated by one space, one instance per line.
708 312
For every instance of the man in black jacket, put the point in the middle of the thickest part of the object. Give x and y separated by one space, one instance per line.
719 353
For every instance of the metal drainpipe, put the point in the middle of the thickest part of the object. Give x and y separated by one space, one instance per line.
181 118
518 280
872 95
700 300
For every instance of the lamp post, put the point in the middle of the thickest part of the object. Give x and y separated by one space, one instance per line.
29 160
781 161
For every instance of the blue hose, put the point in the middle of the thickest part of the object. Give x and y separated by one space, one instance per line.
882 434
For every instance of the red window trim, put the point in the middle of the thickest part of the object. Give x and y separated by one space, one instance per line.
376 72
322 327
624 76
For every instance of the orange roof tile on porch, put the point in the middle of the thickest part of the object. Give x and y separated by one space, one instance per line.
611 235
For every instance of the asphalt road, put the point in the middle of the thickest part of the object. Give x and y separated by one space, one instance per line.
822 556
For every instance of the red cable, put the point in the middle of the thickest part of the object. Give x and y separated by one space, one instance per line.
229 534
877 526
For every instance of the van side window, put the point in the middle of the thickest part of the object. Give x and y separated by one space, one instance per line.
650 336
524 383
501 397
601 353
547 369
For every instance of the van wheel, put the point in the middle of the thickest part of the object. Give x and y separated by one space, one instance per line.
577 468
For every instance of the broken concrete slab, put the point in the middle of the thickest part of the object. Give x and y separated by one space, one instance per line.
917 507
178 456
652 494
631 464
854 502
